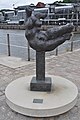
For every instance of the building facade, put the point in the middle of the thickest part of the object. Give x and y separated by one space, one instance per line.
56 13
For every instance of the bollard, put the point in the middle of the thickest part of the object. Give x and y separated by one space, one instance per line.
8 41
28 52
71 45
56 51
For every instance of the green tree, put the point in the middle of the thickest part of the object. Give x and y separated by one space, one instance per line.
71 1
67 1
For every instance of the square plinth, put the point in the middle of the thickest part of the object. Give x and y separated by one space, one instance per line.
39 85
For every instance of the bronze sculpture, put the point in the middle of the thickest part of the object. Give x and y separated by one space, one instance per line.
43 41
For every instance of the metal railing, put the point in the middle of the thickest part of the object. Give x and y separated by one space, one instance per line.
7 44
70 49
57 50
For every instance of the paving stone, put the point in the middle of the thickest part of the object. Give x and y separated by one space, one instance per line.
66 65
1 93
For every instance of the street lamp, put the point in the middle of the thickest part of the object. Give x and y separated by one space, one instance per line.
77 13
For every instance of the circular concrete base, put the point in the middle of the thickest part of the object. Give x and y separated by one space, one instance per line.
63 97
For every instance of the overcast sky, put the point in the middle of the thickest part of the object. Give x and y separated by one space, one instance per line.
9 3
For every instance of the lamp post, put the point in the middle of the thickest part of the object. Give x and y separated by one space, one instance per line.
77 13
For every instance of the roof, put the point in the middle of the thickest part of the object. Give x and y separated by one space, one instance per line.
40 5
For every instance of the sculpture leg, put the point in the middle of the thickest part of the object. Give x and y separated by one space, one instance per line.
40 82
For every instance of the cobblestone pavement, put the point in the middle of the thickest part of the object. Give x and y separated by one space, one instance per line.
67 66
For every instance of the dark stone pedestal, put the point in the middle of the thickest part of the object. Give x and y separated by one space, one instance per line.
41 85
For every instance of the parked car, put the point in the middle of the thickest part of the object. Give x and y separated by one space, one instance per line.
21 21
61 21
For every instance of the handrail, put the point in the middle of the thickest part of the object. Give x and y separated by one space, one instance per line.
9 45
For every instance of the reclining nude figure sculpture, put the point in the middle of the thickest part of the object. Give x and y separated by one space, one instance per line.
43 41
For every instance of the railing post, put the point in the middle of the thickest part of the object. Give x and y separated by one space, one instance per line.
28 52
71 45
56 51
8 41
